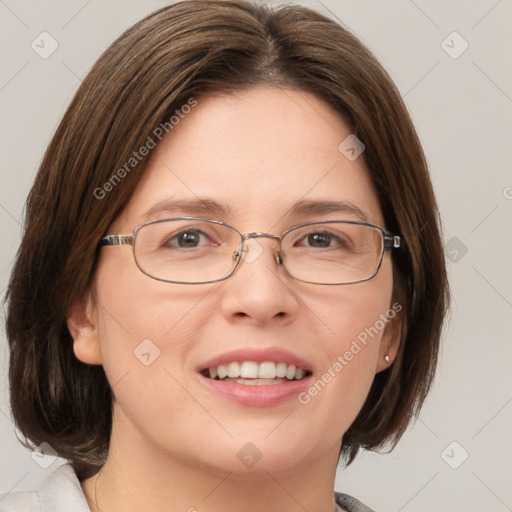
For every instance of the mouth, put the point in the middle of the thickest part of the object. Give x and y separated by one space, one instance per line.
252 373
256 377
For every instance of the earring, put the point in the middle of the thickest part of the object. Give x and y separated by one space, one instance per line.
386 358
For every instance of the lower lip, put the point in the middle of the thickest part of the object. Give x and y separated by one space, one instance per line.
257 396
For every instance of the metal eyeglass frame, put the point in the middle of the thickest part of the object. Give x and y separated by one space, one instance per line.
390 241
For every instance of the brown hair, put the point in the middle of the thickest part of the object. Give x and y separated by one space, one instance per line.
182 51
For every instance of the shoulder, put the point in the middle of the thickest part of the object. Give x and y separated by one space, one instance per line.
350 504
59 492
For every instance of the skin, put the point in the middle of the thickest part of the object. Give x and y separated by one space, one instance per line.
174 444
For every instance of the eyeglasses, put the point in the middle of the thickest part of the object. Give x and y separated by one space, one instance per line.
192 250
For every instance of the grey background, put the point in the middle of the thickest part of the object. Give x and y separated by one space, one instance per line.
462 109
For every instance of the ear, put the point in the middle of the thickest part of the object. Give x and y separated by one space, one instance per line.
82 325
391 339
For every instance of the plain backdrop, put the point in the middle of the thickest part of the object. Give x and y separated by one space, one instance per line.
451 62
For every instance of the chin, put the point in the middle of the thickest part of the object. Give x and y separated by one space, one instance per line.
250 460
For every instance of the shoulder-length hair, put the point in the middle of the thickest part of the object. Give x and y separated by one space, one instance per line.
153 69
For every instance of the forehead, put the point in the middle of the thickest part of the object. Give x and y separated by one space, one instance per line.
258 153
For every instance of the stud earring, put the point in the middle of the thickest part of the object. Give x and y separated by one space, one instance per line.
386 358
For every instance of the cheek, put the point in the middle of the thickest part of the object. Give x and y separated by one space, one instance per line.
144 326
355 313
133 306
353 321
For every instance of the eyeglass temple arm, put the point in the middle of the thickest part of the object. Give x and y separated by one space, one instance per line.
116 239
391 241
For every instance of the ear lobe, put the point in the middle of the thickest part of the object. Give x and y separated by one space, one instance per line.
390 342
81 322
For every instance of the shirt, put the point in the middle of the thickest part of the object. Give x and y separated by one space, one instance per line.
61 492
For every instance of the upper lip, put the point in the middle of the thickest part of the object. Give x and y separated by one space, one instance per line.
258 355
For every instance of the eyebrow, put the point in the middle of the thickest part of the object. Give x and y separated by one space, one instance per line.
201 206
312 207
196 206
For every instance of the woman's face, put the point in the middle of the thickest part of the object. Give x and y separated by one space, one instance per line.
257 153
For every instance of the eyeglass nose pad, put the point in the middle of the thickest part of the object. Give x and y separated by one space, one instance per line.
237 253
250 253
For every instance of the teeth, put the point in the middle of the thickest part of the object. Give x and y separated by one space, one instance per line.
257 382
248 370
266 372
281 369
233 370
222 371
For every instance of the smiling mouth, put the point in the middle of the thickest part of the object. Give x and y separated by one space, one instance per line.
252 373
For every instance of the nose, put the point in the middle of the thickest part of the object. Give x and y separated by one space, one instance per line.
260 291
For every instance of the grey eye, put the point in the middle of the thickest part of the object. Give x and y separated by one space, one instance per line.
319 240
186 239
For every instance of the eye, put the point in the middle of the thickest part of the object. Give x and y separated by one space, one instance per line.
187 239
322 240
319 240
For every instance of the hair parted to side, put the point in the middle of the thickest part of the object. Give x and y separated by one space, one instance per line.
181 51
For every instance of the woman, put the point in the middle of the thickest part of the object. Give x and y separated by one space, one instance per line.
231 274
